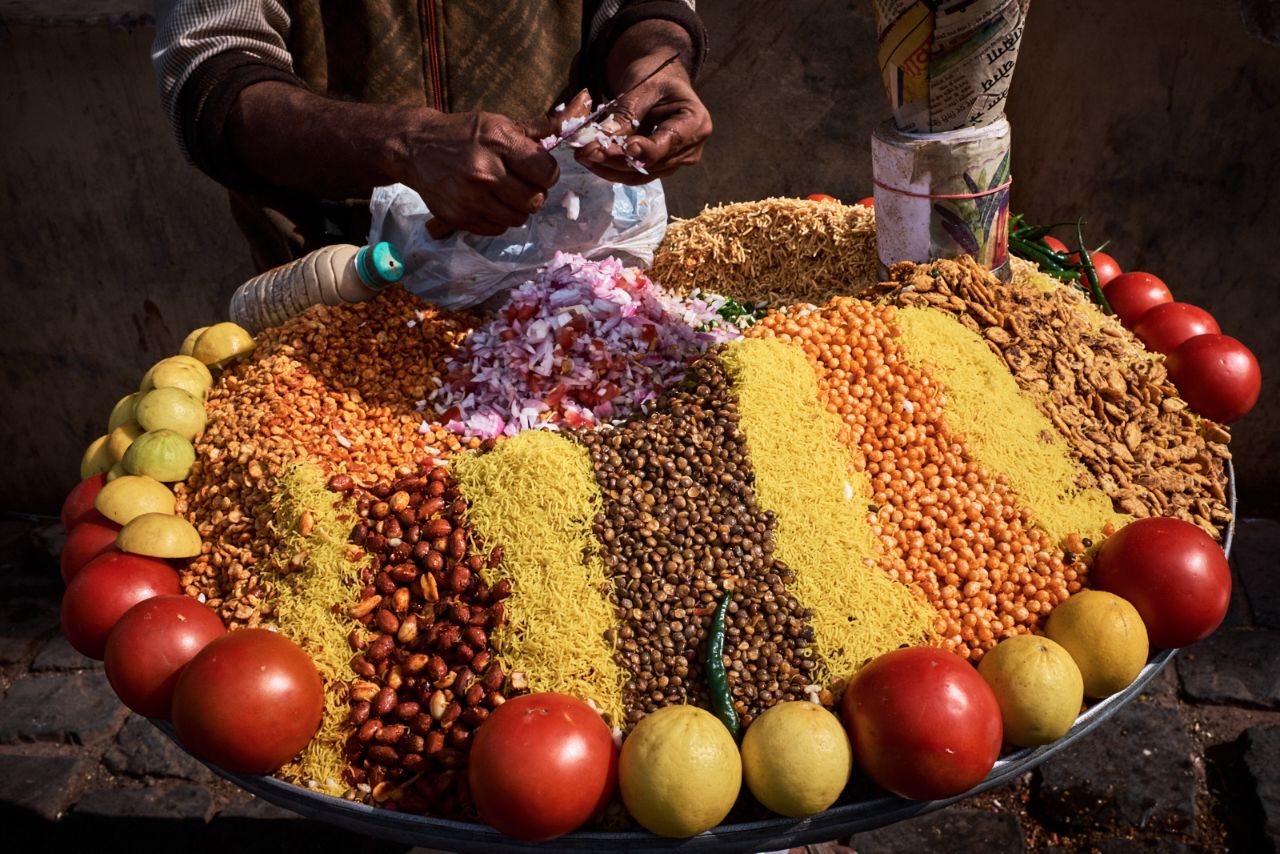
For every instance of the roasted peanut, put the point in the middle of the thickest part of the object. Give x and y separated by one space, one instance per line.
368 730
384 702
383 755
386 621
378 651
408 632
437 529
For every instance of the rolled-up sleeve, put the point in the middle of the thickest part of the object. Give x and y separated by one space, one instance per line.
609 19
205 52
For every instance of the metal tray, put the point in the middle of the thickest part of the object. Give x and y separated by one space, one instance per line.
766 835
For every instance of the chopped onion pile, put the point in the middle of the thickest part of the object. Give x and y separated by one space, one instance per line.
583 343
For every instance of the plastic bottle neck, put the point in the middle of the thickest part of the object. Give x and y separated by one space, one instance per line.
379 265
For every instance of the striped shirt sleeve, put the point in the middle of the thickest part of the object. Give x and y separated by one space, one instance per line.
191 32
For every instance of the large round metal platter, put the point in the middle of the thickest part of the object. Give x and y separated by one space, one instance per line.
765 835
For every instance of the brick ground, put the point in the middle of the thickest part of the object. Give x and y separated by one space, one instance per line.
1192 766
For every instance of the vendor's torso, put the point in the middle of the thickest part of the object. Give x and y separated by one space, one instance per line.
514 57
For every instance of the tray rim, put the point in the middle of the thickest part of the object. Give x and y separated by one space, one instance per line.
761 835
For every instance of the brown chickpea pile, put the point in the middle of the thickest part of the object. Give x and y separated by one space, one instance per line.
680 527
949 529
321 387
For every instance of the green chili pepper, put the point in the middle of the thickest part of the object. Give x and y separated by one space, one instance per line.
1045 257
717 678
1090 274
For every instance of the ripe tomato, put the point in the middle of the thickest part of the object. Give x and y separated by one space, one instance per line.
821 197
1103 264
542 765
1217 375
248 702
1172 572
151 644
868 202
103 590
1055 244
78 506
1166 326
1131 295
923 723
85 542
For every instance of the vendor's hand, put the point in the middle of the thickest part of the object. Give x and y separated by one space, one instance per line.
673 123
478 172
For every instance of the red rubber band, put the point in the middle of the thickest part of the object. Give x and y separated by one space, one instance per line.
991 192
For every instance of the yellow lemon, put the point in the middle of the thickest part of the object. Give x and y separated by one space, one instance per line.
189 342
129 496
97 458
796 758
679 771
160 535
1038 686
1105 636
221 343
122 412
122 437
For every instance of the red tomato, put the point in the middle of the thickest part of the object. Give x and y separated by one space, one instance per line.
85 542
248 702
150 646
1166 326
868 202
1217 375
542 765
923 723
821 197
79 504
1103 264
103 590
1055 244
1131 295
1172 572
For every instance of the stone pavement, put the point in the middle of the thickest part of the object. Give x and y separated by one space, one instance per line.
1192 766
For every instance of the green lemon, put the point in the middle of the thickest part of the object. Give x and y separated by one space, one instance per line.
161 454
171 409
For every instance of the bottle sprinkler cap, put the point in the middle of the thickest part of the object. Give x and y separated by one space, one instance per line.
379 265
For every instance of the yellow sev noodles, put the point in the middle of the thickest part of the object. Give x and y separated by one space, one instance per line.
774 251
1005 431
805 475
305 608
535 496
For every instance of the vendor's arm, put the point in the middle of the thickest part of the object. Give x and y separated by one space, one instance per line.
245 119
478 172
673 123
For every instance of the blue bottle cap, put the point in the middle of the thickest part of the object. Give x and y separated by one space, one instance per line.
379 265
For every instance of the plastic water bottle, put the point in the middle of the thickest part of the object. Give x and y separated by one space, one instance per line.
331 275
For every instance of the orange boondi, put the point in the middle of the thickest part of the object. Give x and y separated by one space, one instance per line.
948 527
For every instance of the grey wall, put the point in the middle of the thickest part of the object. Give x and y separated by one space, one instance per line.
1156 121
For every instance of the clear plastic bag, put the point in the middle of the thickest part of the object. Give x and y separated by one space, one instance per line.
465 270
